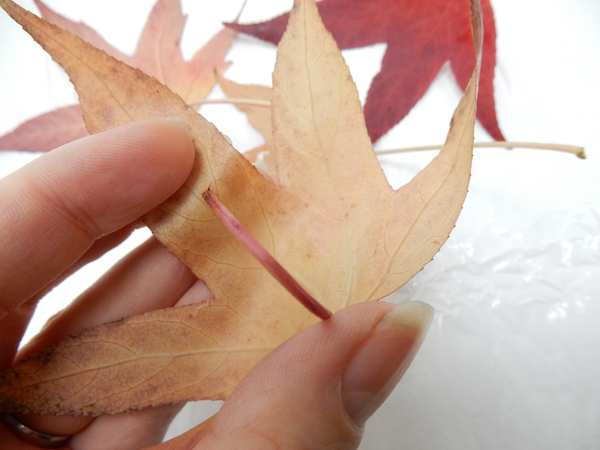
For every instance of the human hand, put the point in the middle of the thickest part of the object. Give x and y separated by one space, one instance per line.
67 208
314 391
317 389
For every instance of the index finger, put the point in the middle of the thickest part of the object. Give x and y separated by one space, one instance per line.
53 209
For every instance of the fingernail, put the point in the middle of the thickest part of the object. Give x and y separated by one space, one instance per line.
382 359
182 123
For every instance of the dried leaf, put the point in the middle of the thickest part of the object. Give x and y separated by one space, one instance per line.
331 220
157 54
258 116
46 132
420 36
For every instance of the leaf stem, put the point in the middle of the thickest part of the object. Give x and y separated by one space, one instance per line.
579 151
233 101
237 18
264 257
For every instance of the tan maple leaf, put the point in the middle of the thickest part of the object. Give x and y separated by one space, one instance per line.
246 97
330 217
157 54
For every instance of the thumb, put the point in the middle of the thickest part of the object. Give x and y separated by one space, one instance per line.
318 389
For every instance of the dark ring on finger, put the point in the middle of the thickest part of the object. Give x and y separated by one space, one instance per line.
31 436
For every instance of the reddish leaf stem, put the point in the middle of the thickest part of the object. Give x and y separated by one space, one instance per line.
264 257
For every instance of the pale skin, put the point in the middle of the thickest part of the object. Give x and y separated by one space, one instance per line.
75 203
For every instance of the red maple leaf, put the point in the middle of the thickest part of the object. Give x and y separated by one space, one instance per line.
421 35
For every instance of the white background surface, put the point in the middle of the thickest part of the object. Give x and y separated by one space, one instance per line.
513 356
